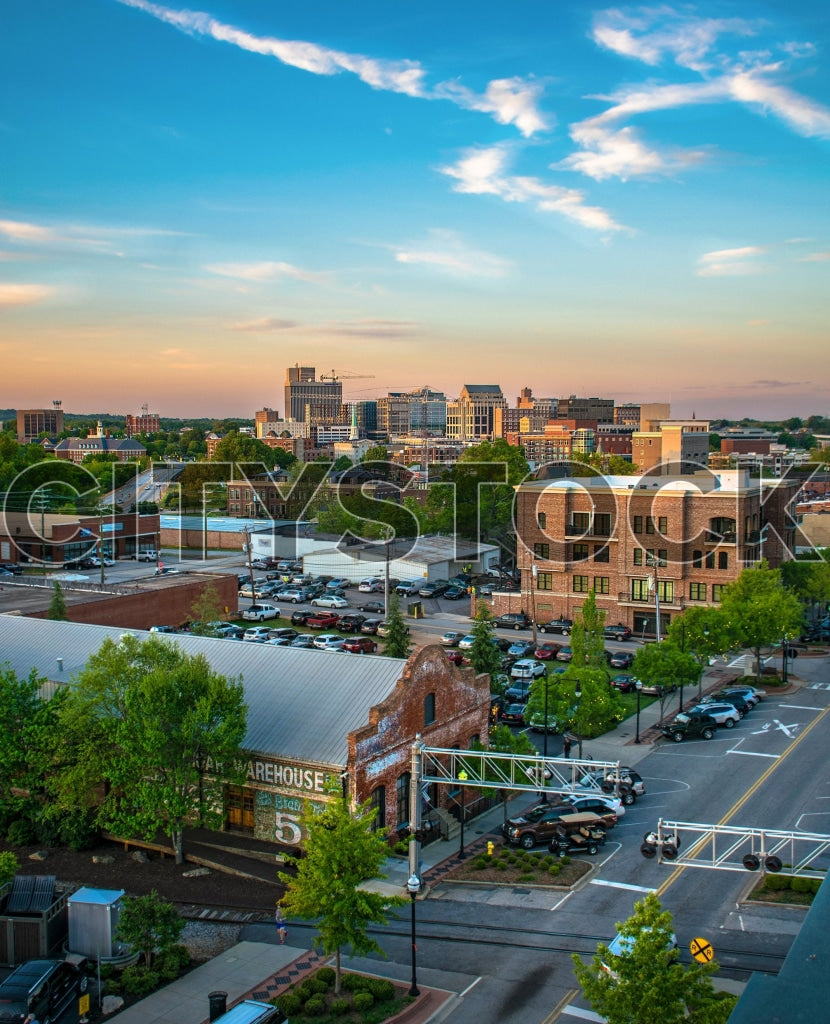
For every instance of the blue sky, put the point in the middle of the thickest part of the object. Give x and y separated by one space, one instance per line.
621 201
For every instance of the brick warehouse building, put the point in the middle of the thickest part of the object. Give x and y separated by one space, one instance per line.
606 533
311 717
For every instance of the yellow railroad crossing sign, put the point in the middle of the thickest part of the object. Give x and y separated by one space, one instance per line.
702 950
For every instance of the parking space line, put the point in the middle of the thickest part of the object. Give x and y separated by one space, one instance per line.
752 753
621 885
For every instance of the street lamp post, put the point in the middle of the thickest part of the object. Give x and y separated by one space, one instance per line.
413 887
533 578
654 583
577 698
784 677
545 733
463 776
639 689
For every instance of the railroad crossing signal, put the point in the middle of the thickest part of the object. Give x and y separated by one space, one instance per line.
702 950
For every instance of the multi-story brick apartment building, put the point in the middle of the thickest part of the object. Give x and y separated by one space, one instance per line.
620 536
671 444
145 423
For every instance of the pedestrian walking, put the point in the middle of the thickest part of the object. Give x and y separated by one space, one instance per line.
279 920
566 747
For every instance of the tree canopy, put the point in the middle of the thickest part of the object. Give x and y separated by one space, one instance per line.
147 719
645 981
484 654
343 850
396 643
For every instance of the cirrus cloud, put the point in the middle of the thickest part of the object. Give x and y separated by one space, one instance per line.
23 294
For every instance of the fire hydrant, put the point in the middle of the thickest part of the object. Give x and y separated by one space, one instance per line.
490 848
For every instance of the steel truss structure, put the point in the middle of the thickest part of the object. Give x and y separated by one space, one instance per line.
736 848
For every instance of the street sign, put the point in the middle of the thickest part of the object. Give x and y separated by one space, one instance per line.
702 950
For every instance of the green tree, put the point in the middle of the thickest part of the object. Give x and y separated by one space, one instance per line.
665 665
396 643
245 454
342 852
145 719
28 727
759 610
809 579
57 604
378 453
9 866
647 983
205 609
149 924
484 655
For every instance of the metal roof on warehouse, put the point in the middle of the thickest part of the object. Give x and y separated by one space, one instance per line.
302 704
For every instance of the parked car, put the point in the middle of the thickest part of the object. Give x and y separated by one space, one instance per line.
726 715
737 700
17 570
527 668
260 563
383 628
565 653
338 583
622 945
512 714
624 683
631 784
749 694
617 632
370 627
304 641
436 589
546 651
562 626
256 634
322 620
301 618
350 623
455 656
150 555
329 601
378 607
536 722
691 723
606 806
291 595
42 989
538 825
466 642
284 633
513 620
260 612
329 642
96 562
658 689
162 629
519 691
451 638
454 593
520 649
224 630
620 659
360 645
371 586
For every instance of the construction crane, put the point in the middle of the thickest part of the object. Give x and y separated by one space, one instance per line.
334 377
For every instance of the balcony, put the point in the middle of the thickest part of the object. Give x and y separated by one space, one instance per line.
728 537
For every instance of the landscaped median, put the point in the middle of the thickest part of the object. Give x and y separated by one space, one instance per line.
509 866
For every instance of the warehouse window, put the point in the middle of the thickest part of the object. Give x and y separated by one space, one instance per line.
402 799
377 802
429 709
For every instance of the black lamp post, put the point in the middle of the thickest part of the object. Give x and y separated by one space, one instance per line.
639 688
545 735
577 698
463 776
413 886
784 677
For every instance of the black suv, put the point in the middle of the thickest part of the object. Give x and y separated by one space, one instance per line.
562 626
690 723
513 620
42 989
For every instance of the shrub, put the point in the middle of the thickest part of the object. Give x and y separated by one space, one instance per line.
381 989
326 974
353 982
315 1007
799 884
317 986
777 883
565 860
815 884
169 962
138 981
526 876
363 1000
480 863
554 870
47 830
78 831
289 1004
548 859
20 833
340 1006
501 865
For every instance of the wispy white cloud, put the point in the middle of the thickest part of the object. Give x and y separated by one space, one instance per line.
737 262
23 294
483 171
265 323
107 240
266 270
652 34
444 251
805 116
607 153
508 101
386 329
815 257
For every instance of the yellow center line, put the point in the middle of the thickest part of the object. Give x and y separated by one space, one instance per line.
678 871
560 1006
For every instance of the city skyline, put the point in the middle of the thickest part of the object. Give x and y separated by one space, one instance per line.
583 199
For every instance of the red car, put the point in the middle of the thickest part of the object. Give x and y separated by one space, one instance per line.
513 714
360 645
456 657
546 652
